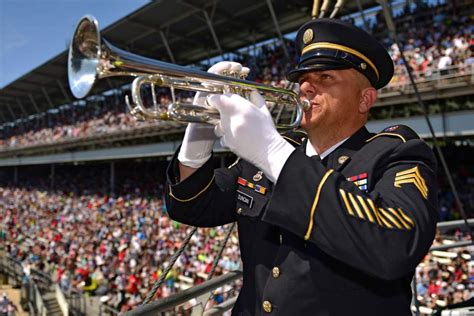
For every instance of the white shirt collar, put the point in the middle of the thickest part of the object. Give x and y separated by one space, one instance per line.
310 151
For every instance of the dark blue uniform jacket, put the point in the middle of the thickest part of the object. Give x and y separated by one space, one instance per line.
340 236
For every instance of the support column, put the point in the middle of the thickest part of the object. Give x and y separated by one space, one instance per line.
46 95
63 91
364 19
22 108
213 33
15 174
277 27
112 178
35 105
11 112
52 183
167 46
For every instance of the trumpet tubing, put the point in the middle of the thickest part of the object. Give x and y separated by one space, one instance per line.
92 58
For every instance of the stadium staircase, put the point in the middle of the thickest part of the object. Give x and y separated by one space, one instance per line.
50 302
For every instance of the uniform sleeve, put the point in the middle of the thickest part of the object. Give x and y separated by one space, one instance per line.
384 232
206 198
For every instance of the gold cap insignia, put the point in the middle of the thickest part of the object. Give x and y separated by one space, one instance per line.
258 176
308 36
363 66
342 159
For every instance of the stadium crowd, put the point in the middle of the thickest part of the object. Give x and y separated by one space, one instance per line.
435 40
114 247
446 278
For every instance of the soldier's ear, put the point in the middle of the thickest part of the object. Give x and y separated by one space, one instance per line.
367 99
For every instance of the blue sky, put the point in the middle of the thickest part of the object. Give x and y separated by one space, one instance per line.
34 31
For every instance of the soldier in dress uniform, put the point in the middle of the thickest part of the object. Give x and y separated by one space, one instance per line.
332 221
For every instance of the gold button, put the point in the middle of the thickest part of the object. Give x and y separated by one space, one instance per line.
239 210
276 272
342 159
267 306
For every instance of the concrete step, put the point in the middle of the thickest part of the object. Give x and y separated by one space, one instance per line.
51 304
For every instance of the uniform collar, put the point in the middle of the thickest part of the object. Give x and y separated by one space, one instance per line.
310 151
341 155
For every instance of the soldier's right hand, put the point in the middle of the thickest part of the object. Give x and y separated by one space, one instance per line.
199 138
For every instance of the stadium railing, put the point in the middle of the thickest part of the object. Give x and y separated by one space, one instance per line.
37 282
448 83
30 292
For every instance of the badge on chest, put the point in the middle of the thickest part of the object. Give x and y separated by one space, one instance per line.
251 197
245 198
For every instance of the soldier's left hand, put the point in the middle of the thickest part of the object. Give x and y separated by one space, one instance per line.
247 129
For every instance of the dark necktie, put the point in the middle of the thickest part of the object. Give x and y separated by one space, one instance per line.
317 158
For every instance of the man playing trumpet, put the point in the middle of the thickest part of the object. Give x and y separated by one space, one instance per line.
332 221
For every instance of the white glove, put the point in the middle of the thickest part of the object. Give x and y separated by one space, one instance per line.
199 138
247 129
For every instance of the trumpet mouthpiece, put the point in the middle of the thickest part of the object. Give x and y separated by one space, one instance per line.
306 104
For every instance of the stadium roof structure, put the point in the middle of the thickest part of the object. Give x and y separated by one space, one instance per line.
177 31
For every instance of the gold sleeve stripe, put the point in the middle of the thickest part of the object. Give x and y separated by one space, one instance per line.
291 140
374 209
389 217
385 222
387 134
346 201
315 203
356 206
195 196
406 218
397 215
234 163
366 209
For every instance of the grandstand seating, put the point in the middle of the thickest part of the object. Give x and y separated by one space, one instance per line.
113 241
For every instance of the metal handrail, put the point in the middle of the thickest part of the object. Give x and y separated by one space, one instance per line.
453 72
453 245
221 308
443 226
184 296
107 309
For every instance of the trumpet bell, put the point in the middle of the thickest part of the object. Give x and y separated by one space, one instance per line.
84 57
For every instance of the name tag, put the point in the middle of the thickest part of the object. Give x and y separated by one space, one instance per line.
245 198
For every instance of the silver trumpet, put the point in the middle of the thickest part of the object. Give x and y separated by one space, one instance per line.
91 58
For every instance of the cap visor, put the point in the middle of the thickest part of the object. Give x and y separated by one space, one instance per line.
294 75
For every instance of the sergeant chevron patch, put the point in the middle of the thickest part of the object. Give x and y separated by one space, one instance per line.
412 176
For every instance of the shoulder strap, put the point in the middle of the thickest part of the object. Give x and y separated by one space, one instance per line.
402 132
